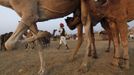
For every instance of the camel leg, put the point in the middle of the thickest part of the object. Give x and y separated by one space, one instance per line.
13 40
37 36
42 70
123 34
20 30
29 16
84 12
90 50
90 47
84 66
40 34
105 25
109 38
34 29
109 42
80 38
116 44
86 21
93 43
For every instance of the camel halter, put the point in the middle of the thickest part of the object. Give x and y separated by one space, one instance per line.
27 26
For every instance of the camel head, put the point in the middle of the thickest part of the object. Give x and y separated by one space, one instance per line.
72 22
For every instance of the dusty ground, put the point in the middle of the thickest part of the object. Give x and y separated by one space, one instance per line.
26 62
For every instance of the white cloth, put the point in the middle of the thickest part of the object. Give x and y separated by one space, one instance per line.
63 40
131 36
60 30
24 36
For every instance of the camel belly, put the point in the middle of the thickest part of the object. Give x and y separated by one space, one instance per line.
130 9
49 9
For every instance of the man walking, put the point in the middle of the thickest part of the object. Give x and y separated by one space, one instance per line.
62 36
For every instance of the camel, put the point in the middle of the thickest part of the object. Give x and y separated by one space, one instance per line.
41 10
46 40
117 13
4 38
2 42
33 11
73 22
105 25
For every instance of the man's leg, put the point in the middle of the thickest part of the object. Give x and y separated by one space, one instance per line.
65 42
60 43
59 46
67 46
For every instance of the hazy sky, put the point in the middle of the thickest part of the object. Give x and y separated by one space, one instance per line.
9 21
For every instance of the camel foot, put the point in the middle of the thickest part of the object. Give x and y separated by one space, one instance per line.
89 54
125 65
71 58
95 56
14 44
115 62
42 72
83 68
10 45
107 50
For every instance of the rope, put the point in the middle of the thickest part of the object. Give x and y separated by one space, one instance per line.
27 26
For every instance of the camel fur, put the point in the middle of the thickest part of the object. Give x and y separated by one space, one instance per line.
33 11
116 12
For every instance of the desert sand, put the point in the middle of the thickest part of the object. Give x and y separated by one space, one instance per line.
26 61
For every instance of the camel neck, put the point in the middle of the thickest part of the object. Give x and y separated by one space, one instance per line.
5 3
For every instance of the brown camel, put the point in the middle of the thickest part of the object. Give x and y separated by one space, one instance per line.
33 11
116 12
105 25
4 38
47 39
73 22
76 22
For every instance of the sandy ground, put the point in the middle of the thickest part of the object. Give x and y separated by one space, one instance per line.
26 62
